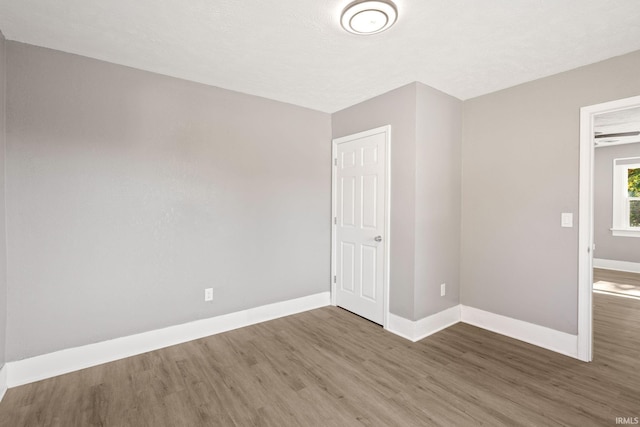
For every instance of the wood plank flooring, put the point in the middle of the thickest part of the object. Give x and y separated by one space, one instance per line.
619 282
328 367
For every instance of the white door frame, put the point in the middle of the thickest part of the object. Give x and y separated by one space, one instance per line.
387 212
585 221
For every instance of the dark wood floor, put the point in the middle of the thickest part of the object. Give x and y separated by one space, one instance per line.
328 367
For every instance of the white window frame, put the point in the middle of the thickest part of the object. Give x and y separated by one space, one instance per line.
621 199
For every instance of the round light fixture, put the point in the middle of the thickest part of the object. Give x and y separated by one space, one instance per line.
369 17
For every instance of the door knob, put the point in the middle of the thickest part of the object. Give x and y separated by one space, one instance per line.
378 238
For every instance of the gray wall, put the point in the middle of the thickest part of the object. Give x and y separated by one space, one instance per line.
520 171
438 194
608 246
3 236
395 108
425 192
128 193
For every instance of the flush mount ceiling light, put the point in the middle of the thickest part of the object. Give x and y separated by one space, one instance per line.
368 17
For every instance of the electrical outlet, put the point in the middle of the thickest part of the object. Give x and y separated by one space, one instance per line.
208 294
443 289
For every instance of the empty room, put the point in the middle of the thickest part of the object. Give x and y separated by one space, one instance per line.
319 213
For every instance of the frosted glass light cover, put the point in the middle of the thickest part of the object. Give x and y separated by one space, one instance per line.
368 17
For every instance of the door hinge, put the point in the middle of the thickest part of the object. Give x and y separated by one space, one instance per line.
335 220
335 162
334 279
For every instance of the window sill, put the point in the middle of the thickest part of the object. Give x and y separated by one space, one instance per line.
626 232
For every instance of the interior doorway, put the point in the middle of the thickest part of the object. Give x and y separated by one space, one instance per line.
360 223
589 119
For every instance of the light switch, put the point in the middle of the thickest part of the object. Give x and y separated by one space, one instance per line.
566 219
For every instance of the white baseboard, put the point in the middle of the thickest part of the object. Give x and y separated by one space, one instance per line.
3 381
401 326
61 362
610 264
551 339
73 359
419 329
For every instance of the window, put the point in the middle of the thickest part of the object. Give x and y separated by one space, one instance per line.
626 197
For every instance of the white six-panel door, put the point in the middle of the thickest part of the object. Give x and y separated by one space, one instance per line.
360 223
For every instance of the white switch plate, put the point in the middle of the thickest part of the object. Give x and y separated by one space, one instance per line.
566 219
443 289
208 294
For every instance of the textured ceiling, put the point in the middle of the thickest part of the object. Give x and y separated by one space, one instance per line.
295 50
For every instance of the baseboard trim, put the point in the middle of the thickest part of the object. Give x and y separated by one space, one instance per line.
49 365
64 361
420 329
610 264
3 381
551 339
400 326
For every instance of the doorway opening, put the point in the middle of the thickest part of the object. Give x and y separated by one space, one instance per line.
601 125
